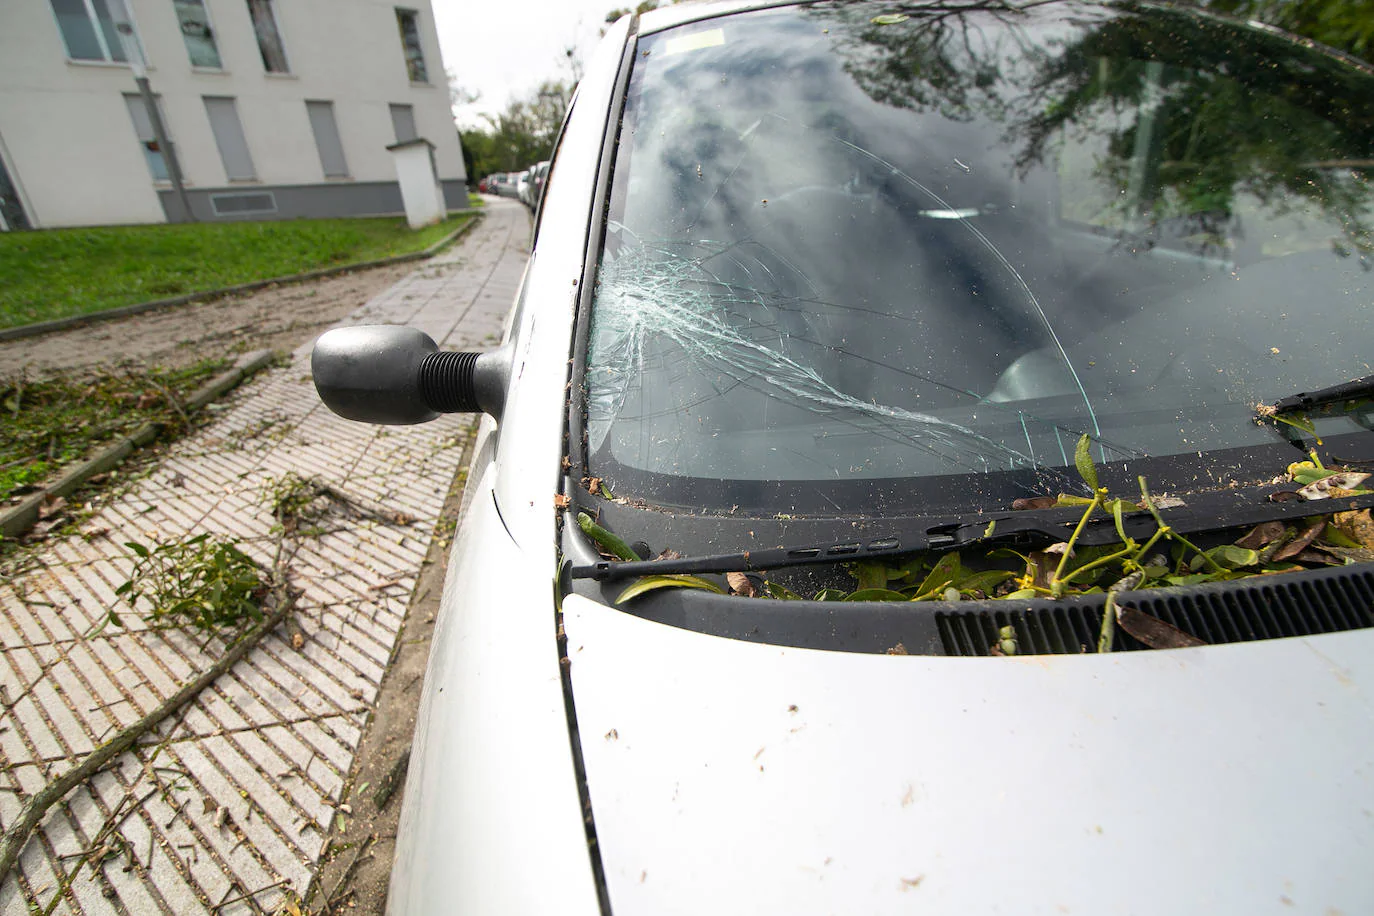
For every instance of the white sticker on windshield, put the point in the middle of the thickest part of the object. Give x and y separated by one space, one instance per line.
694 42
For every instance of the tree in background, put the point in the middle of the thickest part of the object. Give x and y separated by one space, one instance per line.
1347 25
521 135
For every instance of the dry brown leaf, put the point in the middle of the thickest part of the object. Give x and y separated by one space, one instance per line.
740 585
593 485
1260 535
1354 554
1299 543
1358 526
1034 502
51 506
1153 632
898 649
560 501
297 641
1041 567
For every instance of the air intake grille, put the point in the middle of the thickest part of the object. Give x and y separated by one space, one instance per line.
1268 607
234 204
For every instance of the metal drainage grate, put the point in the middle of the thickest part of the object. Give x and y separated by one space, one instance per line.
1263 607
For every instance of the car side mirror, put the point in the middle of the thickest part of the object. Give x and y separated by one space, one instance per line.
397 376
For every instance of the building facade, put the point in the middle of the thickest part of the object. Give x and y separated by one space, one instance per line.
274 109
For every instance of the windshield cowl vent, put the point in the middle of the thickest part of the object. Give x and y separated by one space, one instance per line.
1269 607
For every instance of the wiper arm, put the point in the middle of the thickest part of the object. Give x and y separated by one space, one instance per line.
1306 400
1021 529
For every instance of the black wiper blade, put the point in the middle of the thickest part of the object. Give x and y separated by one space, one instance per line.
1214 511
1306 400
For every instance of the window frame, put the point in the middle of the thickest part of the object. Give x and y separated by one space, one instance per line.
243 134
334 121
415 125
101 39
277 29
213 37
402 12
149 143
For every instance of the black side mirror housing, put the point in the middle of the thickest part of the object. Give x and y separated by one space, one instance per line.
398 376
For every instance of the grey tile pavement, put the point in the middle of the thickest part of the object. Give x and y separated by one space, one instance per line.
239 792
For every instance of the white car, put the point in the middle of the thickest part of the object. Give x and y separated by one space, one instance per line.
940 329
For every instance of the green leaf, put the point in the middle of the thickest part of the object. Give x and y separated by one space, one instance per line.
888 19
910 571
1312 475
611 543
1083 460
870 575
137 548
781 592
1336 537
653 583
1194 579
946 570
1021 593
829 594
984 581
1229 556
875 594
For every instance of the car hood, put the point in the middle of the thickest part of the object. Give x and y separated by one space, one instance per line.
729 776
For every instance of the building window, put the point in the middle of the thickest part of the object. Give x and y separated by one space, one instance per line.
196 32
327 138
403 120
409 21
88 28
233 146
269 39
147 140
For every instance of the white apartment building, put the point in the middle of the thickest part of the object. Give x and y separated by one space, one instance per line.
274 109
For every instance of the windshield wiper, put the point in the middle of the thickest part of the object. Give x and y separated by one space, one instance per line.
1306 400
1204 512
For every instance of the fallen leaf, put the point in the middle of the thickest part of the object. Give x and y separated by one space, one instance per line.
592 484
651 583
297 641
898 649
1358 526
1033 502
1153 632
740 585
1354 554
1299 543
51 506
560 501
1260 535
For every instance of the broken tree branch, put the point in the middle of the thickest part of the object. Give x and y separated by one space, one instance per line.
16 837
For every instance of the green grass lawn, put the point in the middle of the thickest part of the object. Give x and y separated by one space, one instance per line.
58 273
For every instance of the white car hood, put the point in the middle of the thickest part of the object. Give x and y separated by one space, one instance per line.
733 777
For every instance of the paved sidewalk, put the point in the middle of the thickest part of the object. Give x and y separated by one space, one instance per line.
246 787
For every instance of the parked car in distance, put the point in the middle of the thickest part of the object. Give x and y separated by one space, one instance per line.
870 510
538 174
522 186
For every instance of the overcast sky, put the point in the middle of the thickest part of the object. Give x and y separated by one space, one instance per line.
504 50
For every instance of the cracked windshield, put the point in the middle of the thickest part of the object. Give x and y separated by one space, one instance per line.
925 244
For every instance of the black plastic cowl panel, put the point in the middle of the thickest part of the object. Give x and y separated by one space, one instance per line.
1261 607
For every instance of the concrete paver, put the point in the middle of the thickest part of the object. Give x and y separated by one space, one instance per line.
238 794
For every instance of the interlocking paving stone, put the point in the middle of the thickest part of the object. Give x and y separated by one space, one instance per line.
241 789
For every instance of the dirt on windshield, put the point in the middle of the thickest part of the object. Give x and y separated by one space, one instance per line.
277 317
